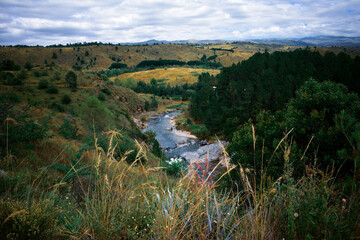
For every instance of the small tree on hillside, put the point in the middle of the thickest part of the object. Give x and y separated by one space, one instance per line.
71 79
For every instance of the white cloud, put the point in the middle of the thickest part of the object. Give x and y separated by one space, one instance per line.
52 22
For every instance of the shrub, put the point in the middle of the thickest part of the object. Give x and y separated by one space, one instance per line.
28 221
66 99
57 76
67 130
22 75
43 84
37 74
117 65
104 77
151 134
129 83
156 149
77 67
200 131
117 82
106 91
52 89
57 107
175 166
71 79
28 66
9 65
101 96
94 110
11 80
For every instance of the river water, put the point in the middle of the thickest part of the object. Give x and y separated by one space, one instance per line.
172 144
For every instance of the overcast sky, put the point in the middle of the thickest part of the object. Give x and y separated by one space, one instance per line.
47 22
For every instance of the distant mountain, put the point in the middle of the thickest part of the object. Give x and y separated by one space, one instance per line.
190 41
321 41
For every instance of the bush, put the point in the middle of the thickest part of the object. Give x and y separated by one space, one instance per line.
11 80
67 130
28 66
57 76
101 96
129 83
77 67
71 79
57 107
200 131
117 65
43 84
104 77
37 74
28 221
151 134
117 82
52 89
94 110
9 65
106 91
22 75
66 99
175 166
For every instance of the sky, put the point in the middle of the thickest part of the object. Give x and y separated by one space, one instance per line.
46 22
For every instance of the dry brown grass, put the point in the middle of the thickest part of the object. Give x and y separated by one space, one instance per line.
173 76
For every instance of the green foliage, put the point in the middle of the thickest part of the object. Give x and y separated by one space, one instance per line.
52 89
22 75
106 91
129 83
175 166
20 220
154 103
77 67
265 81
156 149
71 79
151 134
67 130
117 82
312 114
24 133
37 74
93 110
200 131
57 76
101 96
9 65
43 84
57 107
28 66
66 99
117 65
11 80
104 77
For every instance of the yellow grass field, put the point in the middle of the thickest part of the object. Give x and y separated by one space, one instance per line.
173 76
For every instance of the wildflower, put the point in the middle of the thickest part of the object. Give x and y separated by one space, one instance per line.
296 215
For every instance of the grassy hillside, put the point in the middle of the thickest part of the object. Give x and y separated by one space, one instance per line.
173 76
101 57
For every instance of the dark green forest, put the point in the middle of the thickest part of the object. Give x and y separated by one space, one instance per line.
313 95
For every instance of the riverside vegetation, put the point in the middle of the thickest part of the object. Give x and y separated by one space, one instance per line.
74 165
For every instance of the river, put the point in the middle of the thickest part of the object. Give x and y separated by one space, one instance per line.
178 144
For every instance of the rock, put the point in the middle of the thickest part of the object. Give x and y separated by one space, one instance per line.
214 151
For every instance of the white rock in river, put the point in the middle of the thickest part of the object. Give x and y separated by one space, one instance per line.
214 150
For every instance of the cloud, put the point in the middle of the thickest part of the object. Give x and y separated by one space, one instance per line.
51 22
